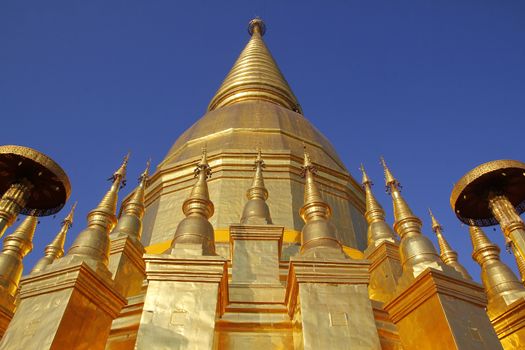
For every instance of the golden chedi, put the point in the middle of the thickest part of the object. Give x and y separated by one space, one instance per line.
280 249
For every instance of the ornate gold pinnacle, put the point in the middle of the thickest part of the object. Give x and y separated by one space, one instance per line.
416 250
130 221
195 229
16 246
378 229
55 250
92 244
448 255
501 285
318 231
256 210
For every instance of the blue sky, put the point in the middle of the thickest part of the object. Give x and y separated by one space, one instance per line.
437 87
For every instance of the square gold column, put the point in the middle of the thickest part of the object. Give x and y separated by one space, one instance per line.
127 265
385 270
184 298
328 300
7 307
255 255
67 307
438 311
123 334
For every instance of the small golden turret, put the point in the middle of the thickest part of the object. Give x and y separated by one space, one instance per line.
55 250
92 244
16 246
130 222
448 255
520 261
318 231
195 229
501 284
256 211
416 250
378 230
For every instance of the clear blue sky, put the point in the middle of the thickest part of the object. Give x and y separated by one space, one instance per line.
437 87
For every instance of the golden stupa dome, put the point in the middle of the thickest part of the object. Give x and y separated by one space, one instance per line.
254 108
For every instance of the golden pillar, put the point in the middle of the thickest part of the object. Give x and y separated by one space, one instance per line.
31 183
430 287
492 193
187 289
75 287
327 292
16 246
382 250
448 255
505 293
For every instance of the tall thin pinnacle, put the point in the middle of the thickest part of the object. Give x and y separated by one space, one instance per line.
55 249
447 254
378 229
92 244
256 209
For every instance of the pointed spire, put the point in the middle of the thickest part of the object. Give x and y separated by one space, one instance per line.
256 210
378 230
130 221
401 208
416 250
258 190
16 246
55 249
92 244
448 255
255 76
199 199
195 229
108 204
501 284
318 231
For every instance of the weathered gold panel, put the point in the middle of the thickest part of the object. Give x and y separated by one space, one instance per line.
385 270
457 309
335 310
178 313
510 325
126 265
339 316
123 334
53 301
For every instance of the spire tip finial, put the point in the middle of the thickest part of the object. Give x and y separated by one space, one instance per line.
389 178
435 224
121 172
68 220
257 25
366 179
202 165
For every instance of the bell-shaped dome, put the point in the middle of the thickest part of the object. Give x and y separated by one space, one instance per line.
254 109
